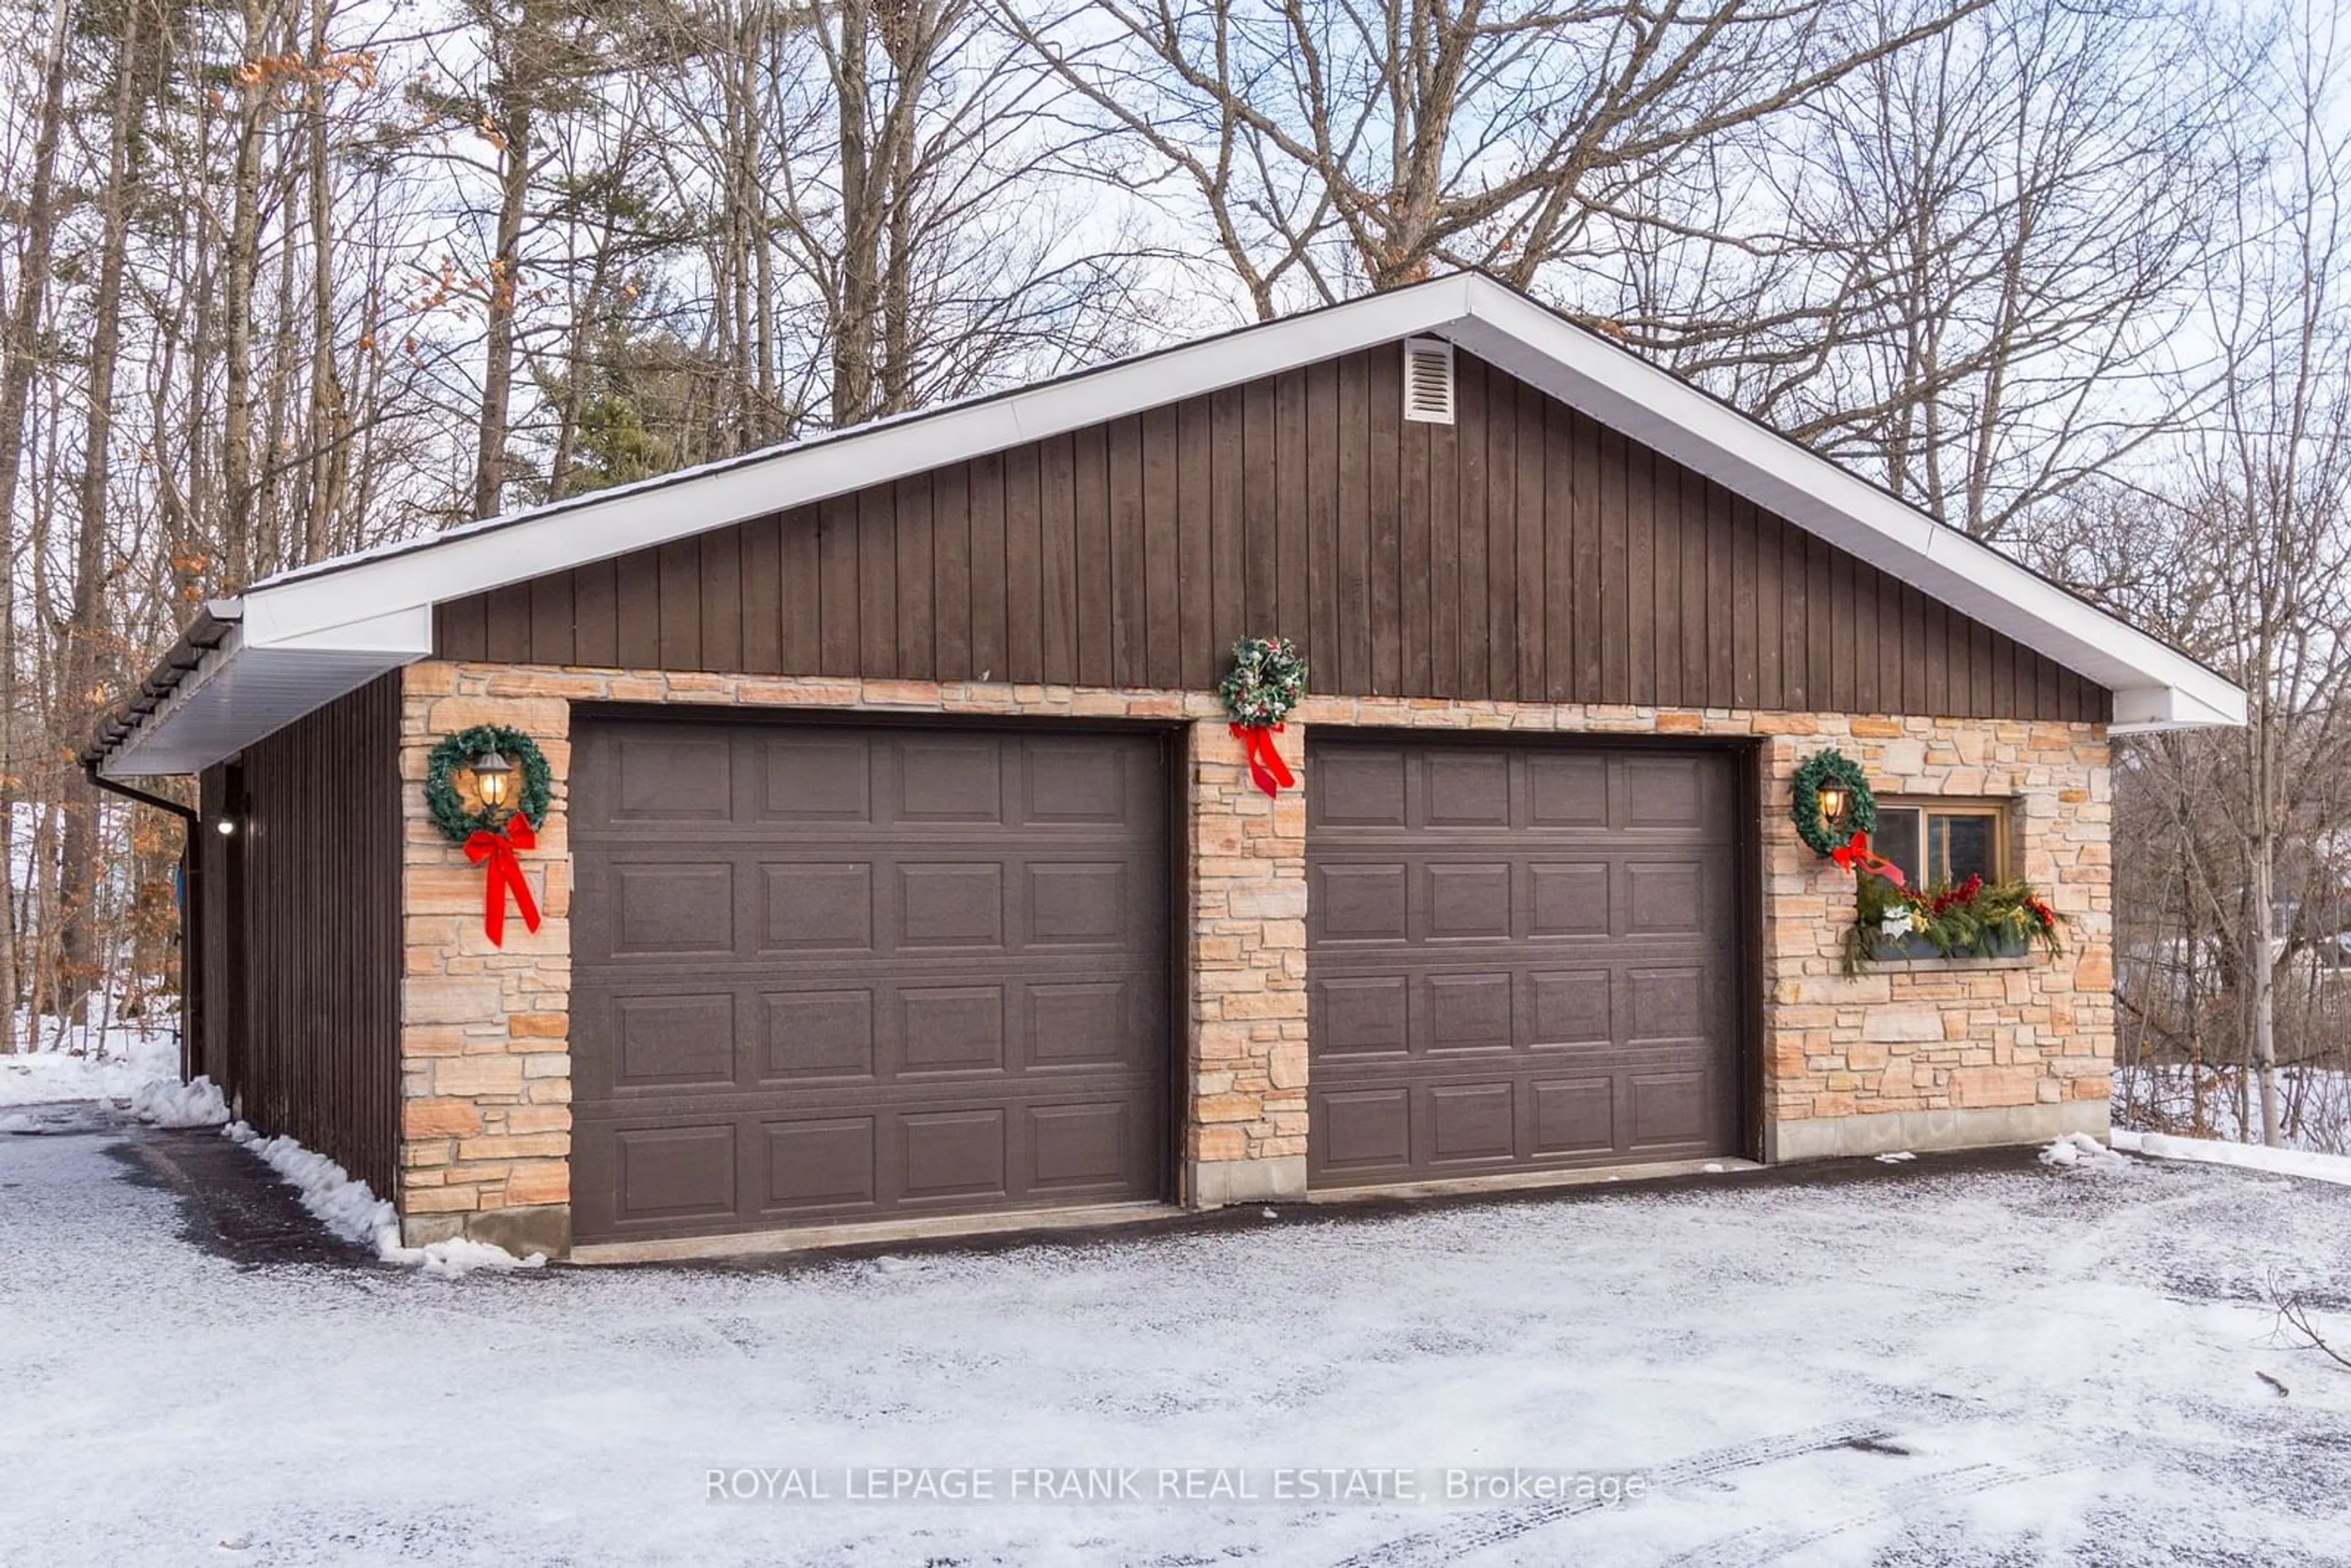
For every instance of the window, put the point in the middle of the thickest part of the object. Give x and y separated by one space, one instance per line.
1944 842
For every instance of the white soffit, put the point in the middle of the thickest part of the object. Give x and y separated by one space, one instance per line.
310 635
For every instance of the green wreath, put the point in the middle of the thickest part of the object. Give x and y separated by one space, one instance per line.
448 807
1268 679
1804 800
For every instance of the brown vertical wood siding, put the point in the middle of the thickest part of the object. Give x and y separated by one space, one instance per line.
302 930
1523 553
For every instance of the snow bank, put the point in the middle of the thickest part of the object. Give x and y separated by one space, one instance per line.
2335 1168
87 1064
352 1211
2083 1150
168 1102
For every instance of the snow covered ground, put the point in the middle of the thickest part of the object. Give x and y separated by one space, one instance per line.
1932 1362
2175 1098
111 1061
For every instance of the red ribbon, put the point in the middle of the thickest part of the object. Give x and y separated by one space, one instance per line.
505 875
1267 771
1858 857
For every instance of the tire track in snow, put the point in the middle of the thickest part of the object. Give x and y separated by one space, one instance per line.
1440 1547
1772 1543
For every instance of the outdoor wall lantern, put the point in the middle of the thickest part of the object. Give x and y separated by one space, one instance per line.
493 777
1832 801
225 826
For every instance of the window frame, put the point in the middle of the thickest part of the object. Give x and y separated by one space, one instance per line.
2000 809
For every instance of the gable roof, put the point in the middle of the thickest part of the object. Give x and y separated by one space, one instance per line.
293 641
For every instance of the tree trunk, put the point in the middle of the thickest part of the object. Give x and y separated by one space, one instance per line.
237 521
860 221
21 349
329 424
506 266
82 673
2260 996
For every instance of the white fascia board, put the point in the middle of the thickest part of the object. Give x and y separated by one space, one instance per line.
2147 708
407 631
474 561
1619 388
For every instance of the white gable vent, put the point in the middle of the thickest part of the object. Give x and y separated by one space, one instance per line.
1429 381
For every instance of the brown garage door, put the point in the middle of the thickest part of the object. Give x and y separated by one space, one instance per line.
1519 957
835 973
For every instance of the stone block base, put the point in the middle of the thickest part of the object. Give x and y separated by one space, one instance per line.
1886 1131
1215 1184
543 1228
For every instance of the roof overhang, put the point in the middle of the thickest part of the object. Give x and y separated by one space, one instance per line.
305 637
239 688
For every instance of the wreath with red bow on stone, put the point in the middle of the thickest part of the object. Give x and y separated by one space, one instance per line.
489 838
1268 680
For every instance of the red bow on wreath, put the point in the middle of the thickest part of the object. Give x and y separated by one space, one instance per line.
1267 771
505 875
1858 857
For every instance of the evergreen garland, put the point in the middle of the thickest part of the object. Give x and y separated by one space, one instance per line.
1804 800
1268 679
448 807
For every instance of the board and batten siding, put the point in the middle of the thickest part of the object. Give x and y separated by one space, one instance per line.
301 1023
1524 553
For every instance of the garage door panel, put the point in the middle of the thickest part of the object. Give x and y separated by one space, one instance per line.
1468 1012
1466 899
824 906
664 908
675 1173
1665 898
1569 898
1472 1122
1571 1007
819 1034
1360 1016
804 779
1364 1129
1079 904
1564 965
690 782
675 1041
1574 1115
1362 903
1072 782
1077 1024
1666 1004
944 987
1669 792
1671 1110
1087 1147
951 1029
1465 789
1565 790
954 1153
823 1164
1362 787
950 903
948 780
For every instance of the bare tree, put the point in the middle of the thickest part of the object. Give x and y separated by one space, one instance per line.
2240 547
1359 144
1971 267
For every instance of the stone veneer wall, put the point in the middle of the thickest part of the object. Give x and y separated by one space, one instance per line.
1917 1057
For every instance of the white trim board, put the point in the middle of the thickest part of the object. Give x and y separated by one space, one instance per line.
373 612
